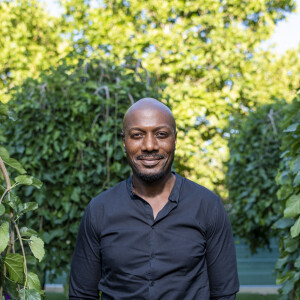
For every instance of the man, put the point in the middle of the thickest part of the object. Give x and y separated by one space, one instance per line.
155 235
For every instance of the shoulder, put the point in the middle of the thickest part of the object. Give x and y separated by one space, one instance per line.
194 190
110 195
198 200
95 213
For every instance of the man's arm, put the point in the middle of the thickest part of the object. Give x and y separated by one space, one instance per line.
221 257
86 261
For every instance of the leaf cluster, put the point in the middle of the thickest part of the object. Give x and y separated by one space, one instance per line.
206 53
265 203
254 159
68 133
288 226
20 247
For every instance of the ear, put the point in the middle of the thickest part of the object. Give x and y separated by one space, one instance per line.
123 140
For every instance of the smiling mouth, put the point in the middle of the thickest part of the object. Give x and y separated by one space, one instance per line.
150 161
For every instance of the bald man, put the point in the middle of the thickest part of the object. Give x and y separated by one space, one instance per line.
156 235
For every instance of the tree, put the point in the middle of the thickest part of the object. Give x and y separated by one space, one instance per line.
68 134
206 53
30 41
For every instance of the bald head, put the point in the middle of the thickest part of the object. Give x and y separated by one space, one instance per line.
149 105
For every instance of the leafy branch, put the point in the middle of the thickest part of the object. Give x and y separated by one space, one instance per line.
15 279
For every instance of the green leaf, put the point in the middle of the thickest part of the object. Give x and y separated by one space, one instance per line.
14 263
10 288
297 262
24 179
49 236
287 287
15 165
91 85
76 194
295 229
296 166
34 282
291 245
37 183
281 262
24 231
4 110
29 295
282 279
13 201
2 209
4 236
283 223
4 153
292 206
28 180
297 180
28 206
292 127
37 247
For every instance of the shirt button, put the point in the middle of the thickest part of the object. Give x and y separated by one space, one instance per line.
152 255
152 227
152 283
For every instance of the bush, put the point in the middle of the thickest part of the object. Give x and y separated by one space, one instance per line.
252 169
288 226
68 134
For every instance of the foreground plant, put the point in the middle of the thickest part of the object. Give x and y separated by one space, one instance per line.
288 225
17 242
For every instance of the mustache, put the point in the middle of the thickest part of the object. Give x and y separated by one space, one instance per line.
147 156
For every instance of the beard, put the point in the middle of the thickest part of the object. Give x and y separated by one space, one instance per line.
150 178
154 177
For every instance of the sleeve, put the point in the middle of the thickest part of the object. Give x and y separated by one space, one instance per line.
86 262
221 256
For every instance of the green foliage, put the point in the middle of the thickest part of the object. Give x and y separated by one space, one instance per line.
68 133
252 169
206 53
30 41
15 258
288 265
266 141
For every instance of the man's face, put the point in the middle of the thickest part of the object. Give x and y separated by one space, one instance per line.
149 141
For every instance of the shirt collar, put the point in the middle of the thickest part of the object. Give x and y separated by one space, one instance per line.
174 195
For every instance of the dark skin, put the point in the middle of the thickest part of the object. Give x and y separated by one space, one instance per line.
149 139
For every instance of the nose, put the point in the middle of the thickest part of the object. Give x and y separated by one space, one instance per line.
150 143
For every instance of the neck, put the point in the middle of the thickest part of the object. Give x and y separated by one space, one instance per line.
153 189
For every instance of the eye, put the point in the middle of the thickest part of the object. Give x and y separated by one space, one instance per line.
162 134
136 135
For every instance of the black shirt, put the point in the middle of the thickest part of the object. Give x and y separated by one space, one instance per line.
187 252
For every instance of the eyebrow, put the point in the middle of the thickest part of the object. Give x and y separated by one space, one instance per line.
156 128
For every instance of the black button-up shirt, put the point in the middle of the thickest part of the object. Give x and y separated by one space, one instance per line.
187 252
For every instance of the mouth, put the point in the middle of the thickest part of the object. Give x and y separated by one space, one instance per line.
150 161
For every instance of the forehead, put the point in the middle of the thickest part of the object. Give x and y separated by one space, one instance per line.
148 118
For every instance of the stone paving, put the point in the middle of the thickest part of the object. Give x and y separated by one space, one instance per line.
259 289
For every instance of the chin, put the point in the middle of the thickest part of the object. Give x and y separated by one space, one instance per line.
150 178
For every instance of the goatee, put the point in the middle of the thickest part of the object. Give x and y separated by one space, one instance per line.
150 178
